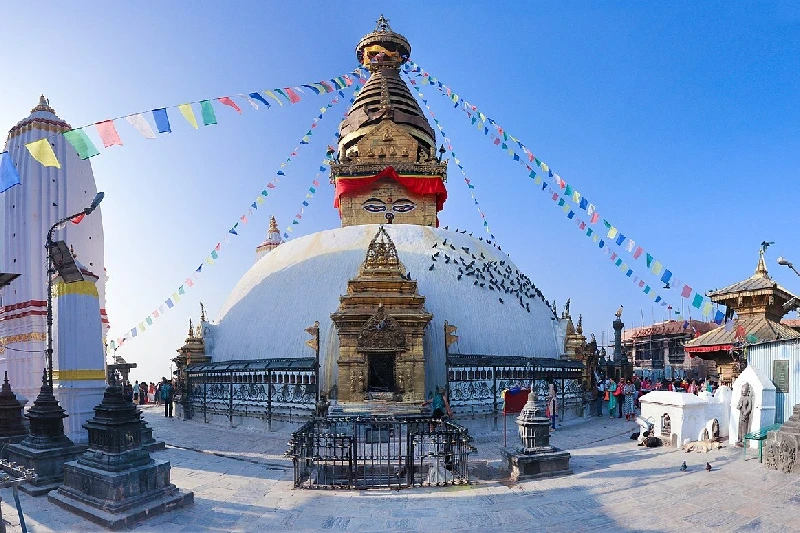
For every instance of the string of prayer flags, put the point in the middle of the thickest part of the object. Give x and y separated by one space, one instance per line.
214 254
502 139
42 152
457 161
8 172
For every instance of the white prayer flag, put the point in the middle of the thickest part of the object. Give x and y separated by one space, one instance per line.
140 124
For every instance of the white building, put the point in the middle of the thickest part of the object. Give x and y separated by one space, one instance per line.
27 211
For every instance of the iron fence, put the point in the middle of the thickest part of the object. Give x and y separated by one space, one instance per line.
376 452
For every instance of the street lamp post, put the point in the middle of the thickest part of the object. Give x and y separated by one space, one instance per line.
52 269
785 262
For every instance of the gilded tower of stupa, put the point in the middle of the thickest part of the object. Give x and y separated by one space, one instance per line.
388 165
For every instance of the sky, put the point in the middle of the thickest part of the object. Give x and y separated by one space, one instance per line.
678 122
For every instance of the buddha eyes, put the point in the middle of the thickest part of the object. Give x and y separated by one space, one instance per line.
403 205
376 205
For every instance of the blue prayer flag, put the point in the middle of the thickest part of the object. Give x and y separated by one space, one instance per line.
584 204
162 120
257 96
719 317
8 172
666 277
620 239
305 203
169 303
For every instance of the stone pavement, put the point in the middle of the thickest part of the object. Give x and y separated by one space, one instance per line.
242 482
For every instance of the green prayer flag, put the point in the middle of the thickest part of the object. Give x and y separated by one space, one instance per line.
208 113
149 321
181 290
649 260
568 191
81 142
698 301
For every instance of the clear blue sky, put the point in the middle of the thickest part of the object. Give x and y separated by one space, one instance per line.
680 123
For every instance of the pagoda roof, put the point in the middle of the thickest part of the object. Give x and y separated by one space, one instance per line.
722 339
757 284
668 327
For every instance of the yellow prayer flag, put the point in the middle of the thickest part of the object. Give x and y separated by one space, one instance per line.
656 268
566 207
537 180
273 95
576 197
545 167
707 308
612 232
188 114
623 267
42 152
260 200
595 238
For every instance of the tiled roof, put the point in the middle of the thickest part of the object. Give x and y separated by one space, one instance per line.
763 328
669 327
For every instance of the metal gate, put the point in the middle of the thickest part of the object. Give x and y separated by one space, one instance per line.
361 453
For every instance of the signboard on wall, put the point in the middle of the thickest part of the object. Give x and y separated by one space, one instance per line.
780 375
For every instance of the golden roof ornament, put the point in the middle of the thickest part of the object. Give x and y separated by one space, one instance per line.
273 225
761 268
43 105
381 252
382 47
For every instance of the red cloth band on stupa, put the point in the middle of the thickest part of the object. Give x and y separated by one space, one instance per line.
418 184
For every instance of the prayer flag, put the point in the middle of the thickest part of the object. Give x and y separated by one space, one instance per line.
567 190
149 321
209 117
81 142
649 260
42 152
612 232
162 120
77 219
169 303
576 196
583 204
595 218
188 114
707 308
719 316
686 292
181 290
225 100
620 239
134 332
293 97
667 275
280 92
631 245
638 252
272 95
108 133
8 172
257 96
140 124
657 266
697 301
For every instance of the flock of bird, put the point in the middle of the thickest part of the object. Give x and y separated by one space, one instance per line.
684 468
491 275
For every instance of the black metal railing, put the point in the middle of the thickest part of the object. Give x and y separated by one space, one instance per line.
377 452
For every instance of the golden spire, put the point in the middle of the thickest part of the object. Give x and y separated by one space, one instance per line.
273 225
761 268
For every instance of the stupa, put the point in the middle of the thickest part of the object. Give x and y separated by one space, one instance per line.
381 286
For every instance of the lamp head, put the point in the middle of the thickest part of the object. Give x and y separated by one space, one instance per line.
95 202
783 261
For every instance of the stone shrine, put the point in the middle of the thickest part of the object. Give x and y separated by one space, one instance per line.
537 458
47 448
782 448
762 397
116 483
12 426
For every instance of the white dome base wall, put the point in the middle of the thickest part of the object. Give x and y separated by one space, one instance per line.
301 281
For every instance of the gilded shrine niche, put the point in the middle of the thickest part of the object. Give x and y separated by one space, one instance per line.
381 325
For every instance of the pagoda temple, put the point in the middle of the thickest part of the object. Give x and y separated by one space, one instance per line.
759 303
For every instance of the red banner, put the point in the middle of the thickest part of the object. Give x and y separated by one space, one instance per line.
417 184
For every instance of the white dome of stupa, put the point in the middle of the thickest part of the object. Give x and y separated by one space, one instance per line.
300 282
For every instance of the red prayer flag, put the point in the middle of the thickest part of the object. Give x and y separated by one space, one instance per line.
638 252
497 140
77 219
293 97
108 133
595 218
686 292
230 103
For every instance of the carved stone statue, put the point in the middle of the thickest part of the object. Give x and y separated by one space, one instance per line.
745 407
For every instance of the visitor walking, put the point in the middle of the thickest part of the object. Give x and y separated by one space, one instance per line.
167 395
158 393
550 410
628 407
611 387
136 392
620 393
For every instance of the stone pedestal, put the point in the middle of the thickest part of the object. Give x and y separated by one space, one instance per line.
46 449
537 458
116 483
782 449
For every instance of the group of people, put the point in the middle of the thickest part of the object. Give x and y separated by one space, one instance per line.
692 387
618 398
143 393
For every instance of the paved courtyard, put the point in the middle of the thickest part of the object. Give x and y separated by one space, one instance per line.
242 482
